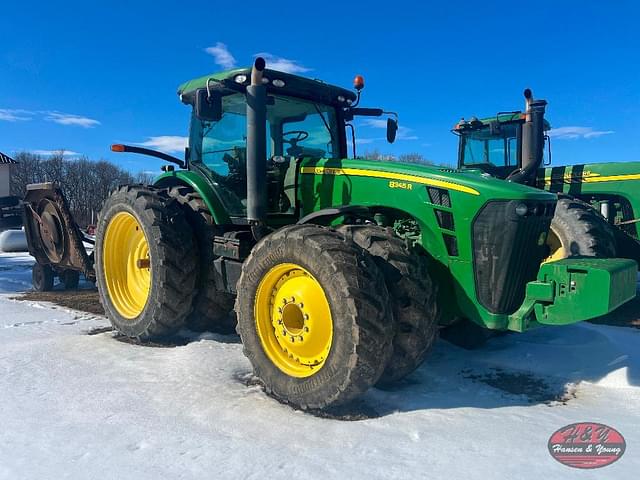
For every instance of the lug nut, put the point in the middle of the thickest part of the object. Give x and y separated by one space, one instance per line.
143 263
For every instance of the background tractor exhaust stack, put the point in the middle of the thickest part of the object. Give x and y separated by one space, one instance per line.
532 140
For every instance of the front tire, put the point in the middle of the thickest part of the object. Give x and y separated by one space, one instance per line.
146 266
313 317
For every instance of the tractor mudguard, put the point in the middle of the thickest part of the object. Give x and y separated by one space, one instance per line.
201 186
575 289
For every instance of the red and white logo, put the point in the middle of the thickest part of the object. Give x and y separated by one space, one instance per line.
587 445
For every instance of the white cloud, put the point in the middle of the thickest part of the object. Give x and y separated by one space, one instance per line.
404 133
11 115
71 119
48 153
166 143
282 64
577 132
221 55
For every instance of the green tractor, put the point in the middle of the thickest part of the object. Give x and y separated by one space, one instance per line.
341 270
598 212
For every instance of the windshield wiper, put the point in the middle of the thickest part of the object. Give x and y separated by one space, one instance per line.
324 120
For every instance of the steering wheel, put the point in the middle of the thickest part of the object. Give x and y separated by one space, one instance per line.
300 135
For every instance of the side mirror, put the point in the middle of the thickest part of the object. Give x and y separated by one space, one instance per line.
208 105
392 129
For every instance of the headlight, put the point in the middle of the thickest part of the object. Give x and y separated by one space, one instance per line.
522 209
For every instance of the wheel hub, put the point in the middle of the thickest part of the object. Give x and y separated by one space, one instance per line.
294 320
127 265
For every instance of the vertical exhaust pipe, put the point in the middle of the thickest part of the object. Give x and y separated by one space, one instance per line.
532 140
257 150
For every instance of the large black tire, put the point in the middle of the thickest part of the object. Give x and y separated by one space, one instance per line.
358 301
172 256
212 308
42 277
413 297
580 230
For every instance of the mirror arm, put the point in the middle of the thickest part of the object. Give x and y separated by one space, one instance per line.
391 113
146 151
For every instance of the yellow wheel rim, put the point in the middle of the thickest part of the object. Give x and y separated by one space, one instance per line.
126 265
556 248
293 320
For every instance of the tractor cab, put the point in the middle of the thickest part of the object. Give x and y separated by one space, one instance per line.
494 145
303 119
295 128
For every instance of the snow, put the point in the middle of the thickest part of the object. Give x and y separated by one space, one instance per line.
79 405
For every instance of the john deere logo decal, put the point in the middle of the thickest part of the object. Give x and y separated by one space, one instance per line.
587 445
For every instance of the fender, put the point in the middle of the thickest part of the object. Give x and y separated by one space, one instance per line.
327 215
201 186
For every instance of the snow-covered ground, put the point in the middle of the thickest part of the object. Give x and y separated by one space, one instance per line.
75 405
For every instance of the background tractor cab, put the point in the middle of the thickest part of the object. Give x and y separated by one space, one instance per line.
510 145
598 212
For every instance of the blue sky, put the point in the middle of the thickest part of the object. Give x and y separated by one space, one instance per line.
82 75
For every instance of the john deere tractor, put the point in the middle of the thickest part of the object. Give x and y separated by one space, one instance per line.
598 212
342 270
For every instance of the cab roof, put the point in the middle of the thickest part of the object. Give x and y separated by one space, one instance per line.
505 117
238 79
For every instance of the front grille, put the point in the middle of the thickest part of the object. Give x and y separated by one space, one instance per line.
507 251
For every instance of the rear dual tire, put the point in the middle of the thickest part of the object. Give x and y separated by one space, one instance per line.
146 266
412 296
212 309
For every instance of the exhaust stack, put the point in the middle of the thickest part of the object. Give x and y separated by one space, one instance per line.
257 149
532 140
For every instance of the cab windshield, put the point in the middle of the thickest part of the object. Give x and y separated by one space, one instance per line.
499 148
295 128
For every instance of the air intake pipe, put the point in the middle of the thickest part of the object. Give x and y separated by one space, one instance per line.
257 150
532 140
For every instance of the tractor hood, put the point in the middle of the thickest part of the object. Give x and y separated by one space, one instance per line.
590 173
405 176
